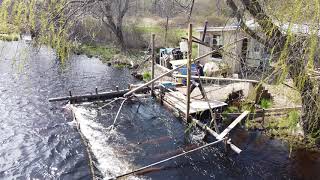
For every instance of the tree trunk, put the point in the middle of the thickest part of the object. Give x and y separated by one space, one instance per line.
310 96
310 110
120 39
166 31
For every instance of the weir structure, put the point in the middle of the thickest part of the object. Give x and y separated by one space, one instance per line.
186 106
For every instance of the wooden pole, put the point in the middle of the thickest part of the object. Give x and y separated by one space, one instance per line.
153 62
204 31
218 79
213 133
189 71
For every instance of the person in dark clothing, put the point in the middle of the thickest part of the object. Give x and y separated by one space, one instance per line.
196 82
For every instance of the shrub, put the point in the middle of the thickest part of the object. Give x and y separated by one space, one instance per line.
146 76
265 103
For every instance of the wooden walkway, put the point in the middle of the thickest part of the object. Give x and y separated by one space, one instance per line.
178 100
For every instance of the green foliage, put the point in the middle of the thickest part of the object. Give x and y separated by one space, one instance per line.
293 118
290 122
146 76
230 109
47 20
173 37
103 52
265 103
9 37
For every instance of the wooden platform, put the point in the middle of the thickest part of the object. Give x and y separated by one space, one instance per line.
178 100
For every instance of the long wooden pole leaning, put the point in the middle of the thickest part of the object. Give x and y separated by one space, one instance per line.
171 71
153 63
189 72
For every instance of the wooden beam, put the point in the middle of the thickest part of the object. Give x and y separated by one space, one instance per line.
97 96
153 62
233 124
189 71
91 97
216 135
204 31
219 79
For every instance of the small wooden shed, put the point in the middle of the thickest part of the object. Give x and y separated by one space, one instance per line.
246 51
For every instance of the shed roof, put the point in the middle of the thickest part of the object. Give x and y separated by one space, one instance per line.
284 27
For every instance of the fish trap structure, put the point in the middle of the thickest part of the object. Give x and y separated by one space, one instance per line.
181 104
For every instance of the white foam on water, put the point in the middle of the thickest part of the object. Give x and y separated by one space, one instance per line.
110 160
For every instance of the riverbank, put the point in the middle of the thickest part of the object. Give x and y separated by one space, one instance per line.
111 55
283 123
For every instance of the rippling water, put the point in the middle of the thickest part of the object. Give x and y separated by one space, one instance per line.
39 141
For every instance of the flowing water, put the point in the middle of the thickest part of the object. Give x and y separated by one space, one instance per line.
39 140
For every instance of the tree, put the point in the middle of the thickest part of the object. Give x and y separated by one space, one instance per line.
296 55
169 9
111 13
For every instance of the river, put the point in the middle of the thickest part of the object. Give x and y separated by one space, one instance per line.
39 140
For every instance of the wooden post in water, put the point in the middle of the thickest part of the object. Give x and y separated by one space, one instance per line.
189 71
153 62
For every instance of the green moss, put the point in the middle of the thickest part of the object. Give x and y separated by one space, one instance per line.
9 37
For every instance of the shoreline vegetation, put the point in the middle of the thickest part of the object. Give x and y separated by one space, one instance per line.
281 125
9 37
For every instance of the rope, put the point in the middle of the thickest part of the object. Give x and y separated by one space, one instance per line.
168 159
116 99
115 119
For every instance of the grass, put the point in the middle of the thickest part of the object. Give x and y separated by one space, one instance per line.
104 53
146 76
265 103
9 37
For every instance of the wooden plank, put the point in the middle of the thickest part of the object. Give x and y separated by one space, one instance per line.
178 99
232 125
97 96
216 78
284 109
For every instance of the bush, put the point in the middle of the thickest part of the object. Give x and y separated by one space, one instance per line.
265 103
146 76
